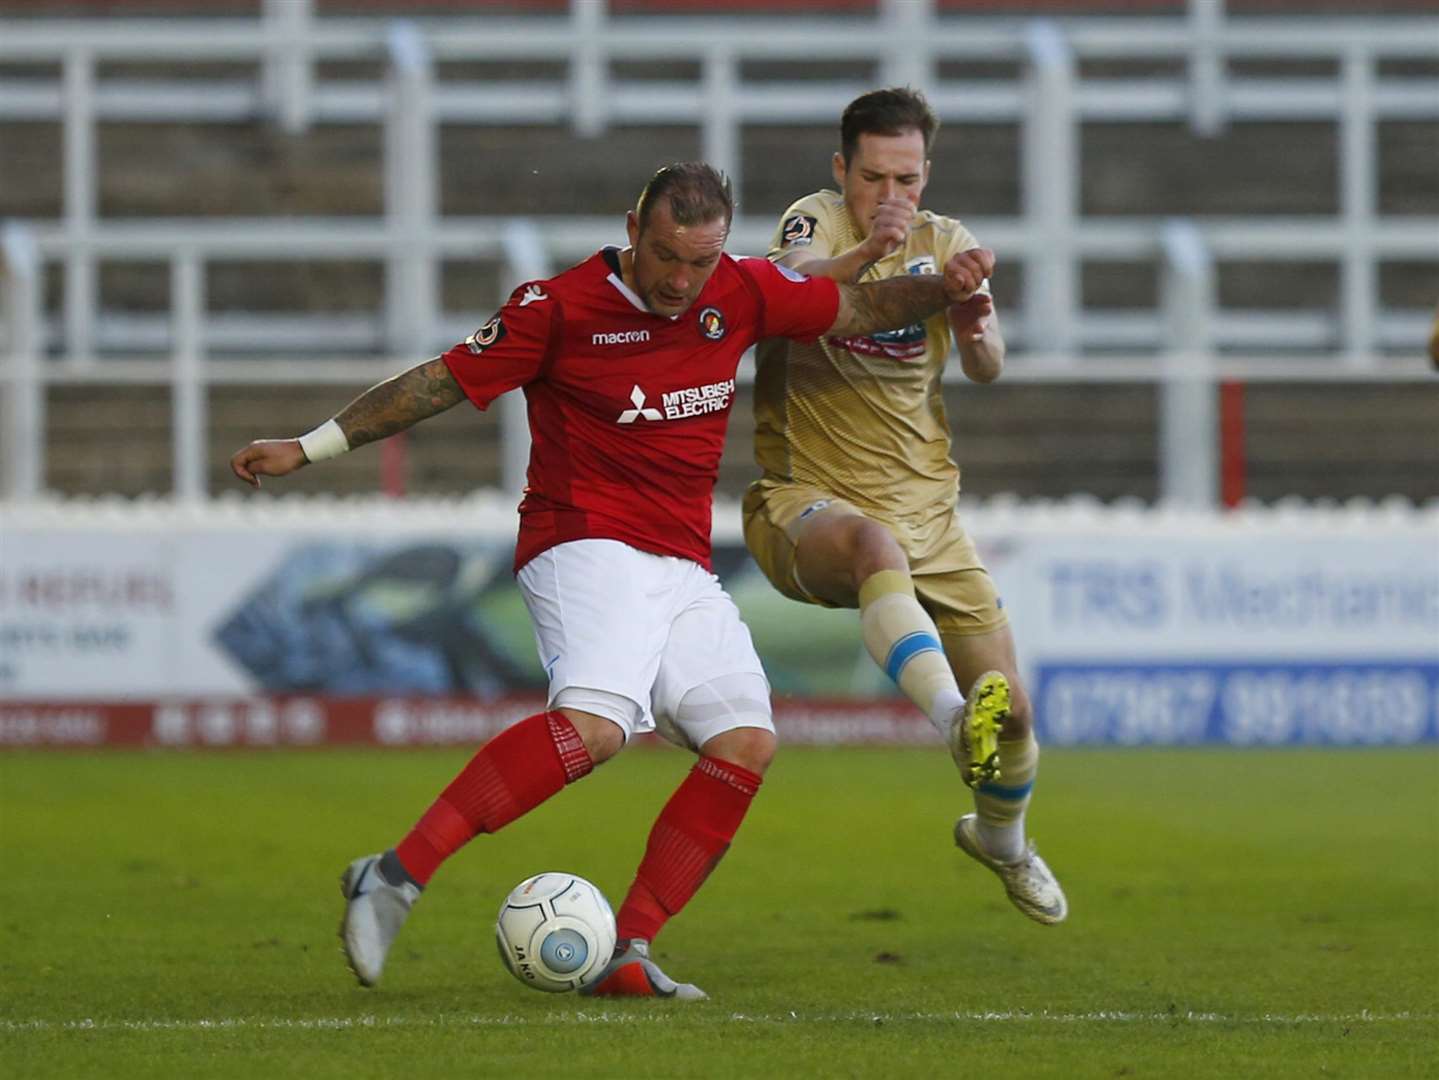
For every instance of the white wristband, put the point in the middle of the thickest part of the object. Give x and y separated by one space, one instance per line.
326 441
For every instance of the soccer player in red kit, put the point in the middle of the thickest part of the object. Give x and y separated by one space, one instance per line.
627 362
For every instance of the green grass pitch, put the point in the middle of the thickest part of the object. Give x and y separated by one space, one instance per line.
1233 914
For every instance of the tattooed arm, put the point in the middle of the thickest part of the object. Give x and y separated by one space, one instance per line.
399 402
381 411
898 301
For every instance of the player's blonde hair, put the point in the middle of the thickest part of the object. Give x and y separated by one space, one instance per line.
697 194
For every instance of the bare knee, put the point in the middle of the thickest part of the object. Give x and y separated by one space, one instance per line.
873 548
839 553
749 748
603 738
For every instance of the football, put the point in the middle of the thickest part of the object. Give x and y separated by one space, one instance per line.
556 932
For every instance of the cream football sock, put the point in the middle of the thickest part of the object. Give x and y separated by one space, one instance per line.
902 638
1000 804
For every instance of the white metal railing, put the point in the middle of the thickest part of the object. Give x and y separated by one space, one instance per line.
1051 151
410 192
907 38
286 78
1188 411
1239 331
24 413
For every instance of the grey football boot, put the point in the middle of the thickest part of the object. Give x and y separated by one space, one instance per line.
374 912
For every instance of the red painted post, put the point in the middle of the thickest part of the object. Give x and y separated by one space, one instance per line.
395 465
1232 462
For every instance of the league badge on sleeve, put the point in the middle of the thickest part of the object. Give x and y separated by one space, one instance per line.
712 323
797 230
487 335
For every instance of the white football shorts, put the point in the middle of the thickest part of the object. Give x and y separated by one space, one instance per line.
648 628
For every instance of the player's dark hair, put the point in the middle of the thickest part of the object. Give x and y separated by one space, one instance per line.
891 111
697 194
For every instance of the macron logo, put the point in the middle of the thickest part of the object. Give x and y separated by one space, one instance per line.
533 293
619 337
639 412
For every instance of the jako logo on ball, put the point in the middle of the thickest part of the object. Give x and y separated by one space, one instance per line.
555 932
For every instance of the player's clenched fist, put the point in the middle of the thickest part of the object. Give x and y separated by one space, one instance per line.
970 319
966 272
267 457
889 228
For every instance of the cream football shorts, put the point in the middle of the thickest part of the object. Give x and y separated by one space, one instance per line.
656 631
950 581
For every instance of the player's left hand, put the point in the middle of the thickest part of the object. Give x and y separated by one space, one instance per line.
966 272
970 319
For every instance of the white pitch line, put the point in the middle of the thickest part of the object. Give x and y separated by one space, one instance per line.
342 1023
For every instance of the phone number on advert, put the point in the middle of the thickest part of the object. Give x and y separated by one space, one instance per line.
1240 705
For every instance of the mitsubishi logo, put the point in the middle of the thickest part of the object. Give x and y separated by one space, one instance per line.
629 416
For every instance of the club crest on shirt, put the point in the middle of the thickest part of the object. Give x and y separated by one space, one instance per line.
712 323
798 230
485 336
924 264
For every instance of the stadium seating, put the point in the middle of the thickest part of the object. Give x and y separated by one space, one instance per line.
333 194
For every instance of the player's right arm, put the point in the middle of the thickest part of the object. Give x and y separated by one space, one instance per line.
504 353
887 233
908 298
383 410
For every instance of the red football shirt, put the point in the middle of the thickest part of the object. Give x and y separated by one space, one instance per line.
627 408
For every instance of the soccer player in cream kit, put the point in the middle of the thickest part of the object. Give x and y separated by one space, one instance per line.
627 362
856 506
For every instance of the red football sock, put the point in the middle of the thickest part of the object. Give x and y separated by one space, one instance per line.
511 774
688 840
